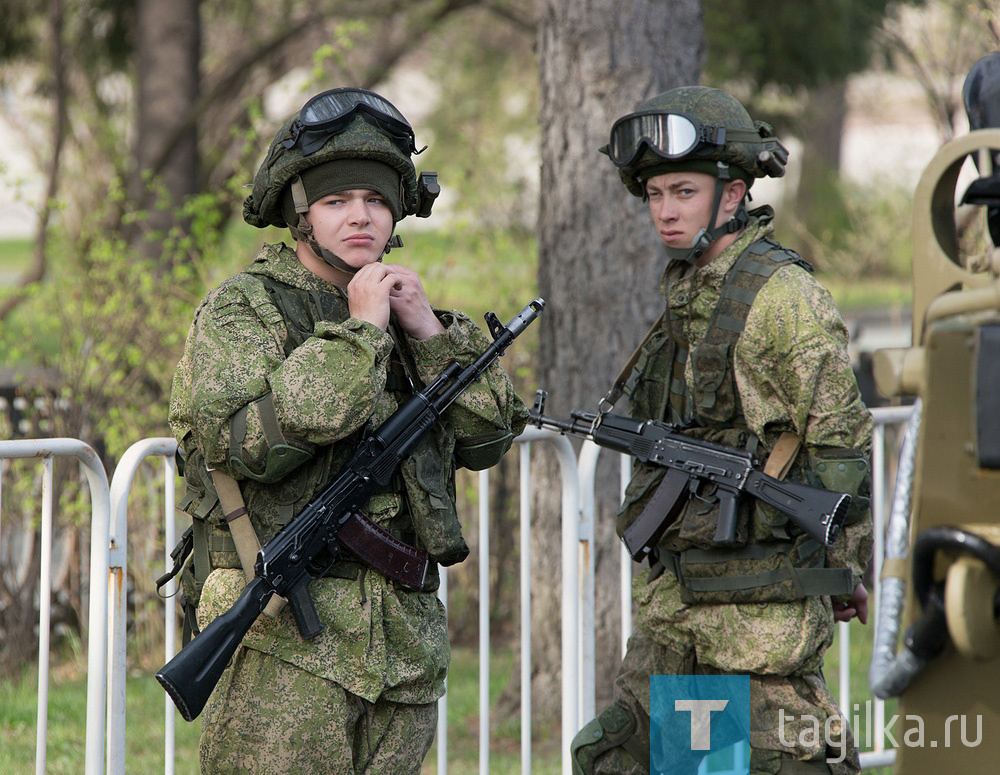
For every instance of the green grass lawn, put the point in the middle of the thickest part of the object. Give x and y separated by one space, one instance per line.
144 725
145 705
15 256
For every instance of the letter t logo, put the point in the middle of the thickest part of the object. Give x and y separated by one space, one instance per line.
701 720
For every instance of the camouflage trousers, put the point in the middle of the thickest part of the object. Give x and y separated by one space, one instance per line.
306 725
625 725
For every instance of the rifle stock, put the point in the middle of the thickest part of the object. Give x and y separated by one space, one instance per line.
192 674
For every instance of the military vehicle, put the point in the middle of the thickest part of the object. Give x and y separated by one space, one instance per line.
941 573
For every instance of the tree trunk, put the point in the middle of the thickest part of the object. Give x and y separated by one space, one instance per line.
167 89
599 266
818 199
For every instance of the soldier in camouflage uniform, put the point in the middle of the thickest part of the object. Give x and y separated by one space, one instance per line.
284 364
751 353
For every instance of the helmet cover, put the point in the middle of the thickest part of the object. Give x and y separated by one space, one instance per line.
360 140
709 107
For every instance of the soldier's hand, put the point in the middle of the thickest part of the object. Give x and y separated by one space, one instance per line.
408 301
857 605
368 294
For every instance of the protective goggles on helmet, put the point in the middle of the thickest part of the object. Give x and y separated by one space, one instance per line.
670 135
329 113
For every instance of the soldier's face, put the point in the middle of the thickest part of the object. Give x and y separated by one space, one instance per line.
354 224
680 204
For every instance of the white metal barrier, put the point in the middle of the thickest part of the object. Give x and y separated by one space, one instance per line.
106 645
121 485
97 667
573 713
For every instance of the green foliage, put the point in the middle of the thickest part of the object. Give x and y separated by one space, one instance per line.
483 132
111 321
17 37
100 31
863 247
106 31
14 257
479 271
791 43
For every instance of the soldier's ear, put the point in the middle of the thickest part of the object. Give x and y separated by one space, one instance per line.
736 190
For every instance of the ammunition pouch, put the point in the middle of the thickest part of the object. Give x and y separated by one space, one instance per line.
479 452
777 572
430 491
276 455
845 470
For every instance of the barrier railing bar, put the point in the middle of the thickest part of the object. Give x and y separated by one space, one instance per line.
883 416
625 560
569 542
524 485
44 619
587 472
442 722
121 485
97 481
484 623
169 615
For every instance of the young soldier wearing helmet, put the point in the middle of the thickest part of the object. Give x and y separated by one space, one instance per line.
750 353
284 364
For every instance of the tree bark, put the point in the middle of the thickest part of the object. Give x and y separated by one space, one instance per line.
168 84
58 61
822 131
599 266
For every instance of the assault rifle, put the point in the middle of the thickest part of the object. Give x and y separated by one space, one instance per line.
308 546
690 463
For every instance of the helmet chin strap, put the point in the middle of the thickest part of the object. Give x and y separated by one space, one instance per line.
704 238
303 232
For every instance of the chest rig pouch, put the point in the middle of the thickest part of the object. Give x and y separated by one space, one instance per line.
426 478
772 561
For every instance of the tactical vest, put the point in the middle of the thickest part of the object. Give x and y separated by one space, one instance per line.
774 562
426 479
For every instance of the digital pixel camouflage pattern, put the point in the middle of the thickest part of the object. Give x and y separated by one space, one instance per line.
360 140
300 726
792 374
326 375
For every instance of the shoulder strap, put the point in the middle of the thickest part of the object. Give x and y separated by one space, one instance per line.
612 396
241 529
744 280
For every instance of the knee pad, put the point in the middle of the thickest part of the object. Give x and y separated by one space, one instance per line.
613 728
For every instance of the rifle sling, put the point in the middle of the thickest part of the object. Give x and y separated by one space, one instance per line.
662 509
783 455
618 387
381 550
241 529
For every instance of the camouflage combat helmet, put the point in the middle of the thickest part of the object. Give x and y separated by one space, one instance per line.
339 125
693 128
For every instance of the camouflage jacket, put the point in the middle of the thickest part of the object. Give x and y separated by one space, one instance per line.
791 365
378 639
792 373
